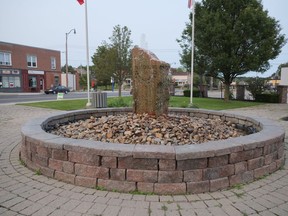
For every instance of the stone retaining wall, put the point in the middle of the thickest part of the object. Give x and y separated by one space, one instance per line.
159 169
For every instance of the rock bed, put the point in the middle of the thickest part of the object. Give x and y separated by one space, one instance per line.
146 129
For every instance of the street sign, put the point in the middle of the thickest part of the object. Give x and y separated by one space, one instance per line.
60 96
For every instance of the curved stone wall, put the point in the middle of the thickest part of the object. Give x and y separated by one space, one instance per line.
185 169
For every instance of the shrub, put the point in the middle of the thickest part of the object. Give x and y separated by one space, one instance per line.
255 86
267 98
196 93
120 102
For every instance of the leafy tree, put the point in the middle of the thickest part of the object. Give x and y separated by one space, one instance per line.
185 44
83 76
255 86
83 81
233 37
70 69
104 64
114 59
121 46
202 66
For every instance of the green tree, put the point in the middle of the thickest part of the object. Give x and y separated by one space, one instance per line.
234 37
104 60
121 45
255 86
83 81
70 69
114 60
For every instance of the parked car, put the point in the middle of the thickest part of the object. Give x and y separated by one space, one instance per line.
57 89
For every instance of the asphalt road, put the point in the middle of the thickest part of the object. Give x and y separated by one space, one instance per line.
12 98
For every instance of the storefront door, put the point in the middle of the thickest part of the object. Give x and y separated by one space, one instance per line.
32 83
42 88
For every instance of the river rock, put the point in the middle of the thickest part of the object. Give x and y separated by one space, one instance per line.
146 129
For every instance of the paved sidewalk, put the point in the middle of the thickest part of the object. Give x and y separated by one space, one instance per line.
22 192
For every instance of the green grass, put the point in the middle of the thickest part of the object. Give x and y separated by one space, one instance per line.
59 104
164 208
210 103
119 102
22 162
79 103
238 186
100 188
176 101
38 172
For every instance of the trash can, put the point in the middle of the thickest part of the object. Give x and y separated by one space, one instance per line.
99 99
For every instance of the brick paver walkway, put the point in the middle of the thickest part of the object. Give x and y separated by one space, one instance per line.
23 192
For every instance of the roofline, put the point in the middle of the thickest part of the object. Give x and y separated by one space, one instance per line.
29 46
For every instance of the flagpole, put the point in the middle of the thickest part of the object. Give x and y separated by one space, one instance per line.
192 52
87 57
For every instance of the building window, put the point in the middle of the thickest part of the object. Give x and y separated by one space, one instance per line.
9 82
53 63
31 61
5 58
10 79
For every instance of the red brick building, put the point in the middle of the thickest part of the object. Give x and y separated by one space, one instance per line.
28 69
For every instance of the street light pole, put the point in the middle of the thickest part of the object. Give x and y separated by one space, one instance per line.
66 45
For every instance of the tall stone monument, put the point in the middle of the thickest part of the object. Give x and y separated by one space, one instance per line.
150 80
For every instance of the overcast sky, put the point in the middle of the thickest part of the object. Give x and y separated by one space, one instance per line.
43 23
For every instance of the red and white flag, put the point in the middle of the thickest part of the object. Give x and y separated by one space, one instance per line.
190 3
81 2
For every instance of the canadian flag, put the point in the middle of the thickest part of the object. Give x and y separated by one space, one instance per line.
81 2
190 3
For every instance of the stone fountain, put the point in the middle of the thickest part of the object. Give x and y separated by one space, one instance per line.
150 83
210 166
